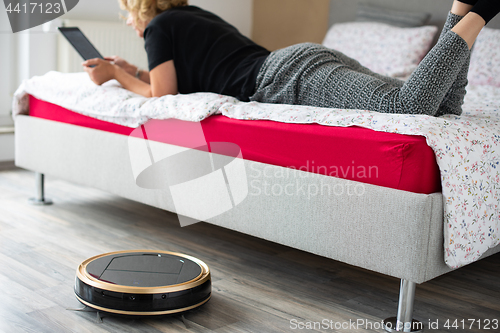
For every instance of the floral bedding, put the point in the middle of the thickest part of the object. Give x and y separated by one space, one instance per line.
467 147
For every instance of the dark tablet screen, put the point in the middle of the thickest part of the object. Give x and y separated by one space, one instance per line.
81 44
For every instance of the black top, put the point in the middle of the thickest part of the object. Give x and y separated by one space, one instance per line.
209 54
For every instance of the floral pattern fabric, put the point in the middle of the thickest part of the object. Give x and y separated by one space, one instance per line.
467 147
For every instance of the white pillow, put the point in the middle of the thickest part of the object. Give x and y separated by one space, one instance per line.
485 59
383 48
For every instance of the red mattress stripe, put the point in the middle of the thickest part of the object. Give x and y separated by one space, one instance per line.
391 160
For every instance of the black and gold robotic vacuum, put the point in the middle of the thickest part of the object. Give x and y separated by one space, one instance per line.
143 282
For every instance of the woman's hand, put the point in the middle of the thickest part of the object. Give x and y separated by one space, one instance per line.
102 70
163 77
122 63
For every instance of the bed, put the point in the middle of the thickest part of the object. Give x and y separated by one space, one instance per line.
387 219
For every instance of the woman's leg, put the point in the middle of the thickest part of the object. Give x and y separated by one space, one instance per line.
457 12
466 25
462 7
454 98
309 74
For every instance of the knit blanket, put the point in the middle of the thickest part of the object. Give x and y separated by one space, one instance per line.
467 147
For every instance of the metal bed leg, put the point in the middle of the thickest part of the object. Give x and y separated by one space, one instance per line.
40 199
404 322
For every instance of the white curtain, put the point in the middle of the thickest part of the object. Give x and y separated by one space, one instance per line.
6 69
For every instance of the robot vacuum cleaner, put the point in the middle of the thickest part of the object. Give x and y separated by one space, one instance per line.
143 282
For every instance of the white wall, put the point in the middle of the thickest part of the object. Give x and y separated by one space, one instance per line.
6 61
102 10
236 12
23 55
6 147
7 73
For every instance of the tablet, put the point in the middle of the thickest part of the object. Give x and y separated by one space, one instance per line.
81 44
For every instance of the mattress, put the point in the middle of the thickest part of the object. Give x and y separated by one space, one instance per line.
402 162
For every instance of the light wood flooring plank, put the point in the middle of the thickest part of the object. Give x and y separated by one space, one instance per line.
258 286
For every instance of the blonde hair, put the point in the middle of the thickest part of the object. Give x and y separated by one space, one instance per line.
146 10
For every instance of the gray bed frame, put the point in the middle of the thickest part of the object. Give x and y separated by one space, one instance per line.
392 232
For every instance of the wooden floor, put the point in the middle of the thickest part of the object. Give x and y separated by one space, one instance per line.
258 286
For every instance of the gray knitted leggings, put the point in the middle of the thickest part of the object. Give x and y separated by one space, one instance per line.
310 74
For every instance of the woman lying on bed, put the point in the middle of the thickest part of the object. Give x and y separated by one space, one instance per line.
191 50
